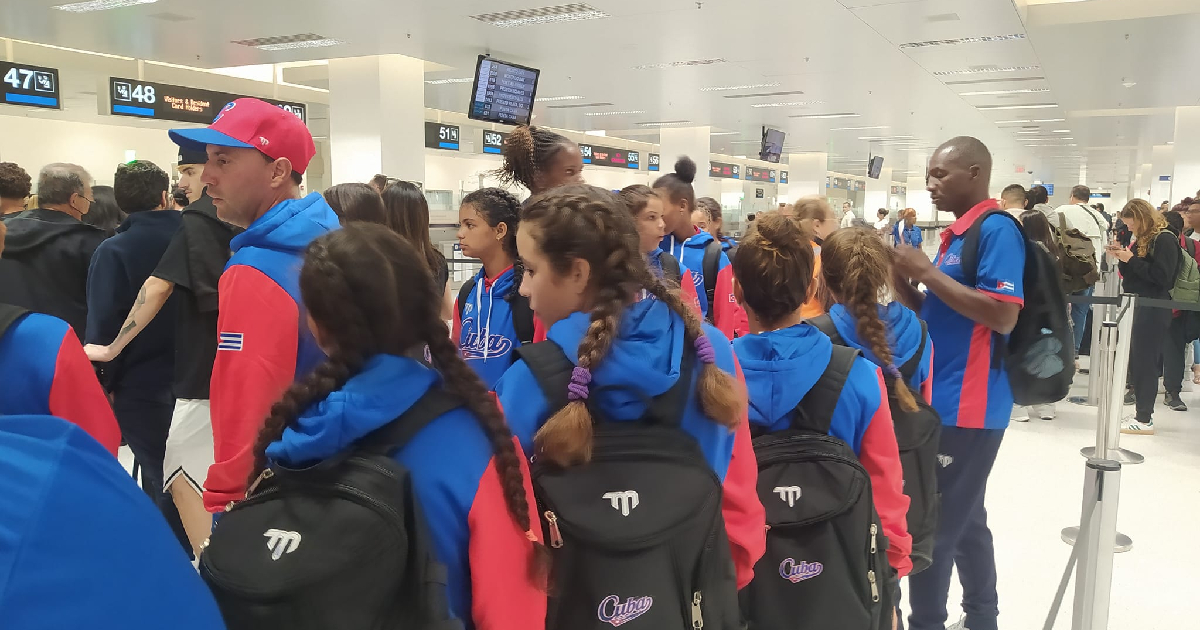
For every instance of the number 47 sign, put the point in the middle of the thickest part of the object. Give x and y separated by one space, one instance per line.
31 86
29 80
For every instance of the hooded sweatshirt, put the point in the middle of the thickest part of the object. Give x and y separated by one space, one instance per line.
645 357
687 286
45 264
81 547
727 316
46 373
263 341
781 366
486 553
1050 212
904 336
487 315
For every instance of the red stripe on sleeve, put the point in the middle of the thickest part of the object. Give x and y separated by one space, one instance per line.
927 386
1000 297
880 455
687 290
456 325
745 518
973 397
502 595
76 395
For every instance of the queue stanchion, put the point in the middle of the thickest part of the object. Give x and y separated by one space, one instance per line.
1108 433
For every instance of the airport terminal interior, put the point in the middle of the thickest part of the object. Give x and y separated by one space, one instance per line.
845 103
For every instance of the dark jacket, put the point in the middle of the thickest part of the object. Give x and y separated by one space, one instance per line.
1154 275
45 264
119 267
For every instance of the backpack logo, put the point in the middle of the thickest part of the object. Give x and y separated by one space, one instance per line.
788 494
797 572
945 460
280 542
614 613
623 501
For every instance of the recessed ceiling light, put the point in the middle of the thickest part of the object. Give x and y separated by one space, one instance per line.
985 70
100 5
1029 131
790 104
551 99
289 42
542 15
1129 84
1046 120
860 128
845 115
1034 106
449 81
1061 131
963 40
724 133
994 92
663 123
725 88
887 138
626 113
1012 122
678 64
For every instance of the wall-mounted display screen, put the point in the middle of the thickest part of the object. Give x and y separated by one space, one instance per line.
597 155
723 170
441 136
652 161
493 141
503 92
30 86
146 99
755 174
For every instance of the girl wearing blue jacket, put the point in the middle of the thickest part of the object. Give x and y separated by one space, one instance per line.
584 272
856 268
370 299
783 358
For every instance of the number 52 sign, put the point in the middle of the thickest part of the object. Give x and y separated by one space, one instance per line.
29 86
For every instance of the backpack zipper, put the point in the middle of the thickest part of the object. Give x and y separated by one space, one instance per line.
874 533
874 586
555 527
697 614
556 540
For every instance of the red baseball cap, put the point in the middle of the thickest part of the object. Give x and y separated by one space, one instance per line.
249 123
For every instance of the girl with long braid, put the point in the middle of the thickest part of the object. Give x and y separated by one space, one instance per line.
370 299
584 271
784 357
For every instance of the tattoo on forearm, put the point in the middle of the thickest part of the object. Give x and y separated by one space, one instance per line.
131 322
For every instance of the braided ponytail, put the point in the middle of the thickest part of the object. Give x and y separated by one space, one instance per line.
528 151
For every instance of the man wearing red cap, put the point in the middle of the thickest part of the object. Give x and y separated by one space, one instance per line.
257 154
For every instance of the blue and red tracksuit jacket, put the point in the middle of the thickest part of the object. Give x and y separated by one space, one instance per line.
687 286
46 373
781 366
645 357
728 316
904 335
263 341
454 475
970 388
488 316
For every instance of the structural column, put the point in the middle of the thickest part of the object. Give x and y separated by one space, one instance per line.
693 142
377 118
1185 181
806 175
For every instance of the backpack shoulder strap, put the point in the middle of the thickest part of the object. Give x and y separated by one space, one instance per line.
824 323
522 318
910 366
464 294
551 369
670 267
815 411
970 248
667 408
9 314
712 258
394 435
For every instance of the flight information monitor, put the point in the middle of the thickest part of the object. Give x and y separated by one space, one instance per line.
31 86
503 92
146 99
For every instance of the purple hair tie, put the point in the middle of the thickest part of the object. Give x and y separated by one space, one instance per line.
704 350
893 372
577 389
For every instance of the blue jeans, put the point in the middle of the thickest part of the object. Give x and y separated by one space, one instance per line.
1079 316
1196 352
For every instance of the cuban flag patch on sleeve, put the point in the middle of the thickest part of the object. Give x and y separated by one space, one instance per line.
230 341
1005 287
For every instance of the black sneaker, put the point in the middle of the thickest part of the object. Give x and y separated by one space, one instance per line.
1129 398
1174 403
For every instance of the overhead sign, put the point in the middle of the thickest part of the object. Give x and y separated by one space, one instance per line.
146 99
607 156
725 171
1164 178
783 177
1049 189
30 86
441 136
653 160
754 174
493 141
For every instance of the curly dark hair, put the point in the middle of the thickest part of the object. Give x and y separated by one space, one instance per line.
526 151
15 183
370 291
139 186
589 223
497 206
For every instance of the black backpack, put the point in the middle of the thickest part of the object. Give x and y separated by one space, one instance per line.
1040 353
918 434
670 268
709 267
637 533
826 561
340 544
521 313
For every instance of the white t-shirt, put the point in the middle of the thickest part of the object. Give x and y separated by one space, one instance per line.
882 224
848 219
1086 220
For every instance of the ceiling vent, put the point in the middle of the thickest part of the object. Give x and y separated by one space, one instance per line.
167 16
680 64
578 105
1000 80
963 40
764 94
542 15
942 17
664 123
289 42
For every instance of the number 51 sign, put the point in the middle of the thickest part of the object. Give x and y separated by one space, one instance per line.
29 86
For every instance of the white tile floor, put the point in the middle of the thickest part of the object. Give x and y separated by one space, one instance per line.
1035 490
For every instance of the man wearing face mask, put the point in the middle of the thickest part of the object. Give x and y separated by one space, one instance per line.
49 250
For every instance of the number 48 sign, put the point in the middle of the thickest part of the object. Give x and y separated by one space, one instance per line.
32 86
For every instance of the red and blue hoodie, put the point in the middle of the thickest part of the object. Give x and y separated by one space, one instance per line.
728 316
687 286
263 341
781 366
81 545
645 358
455 478
46 373
904 335
485 332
